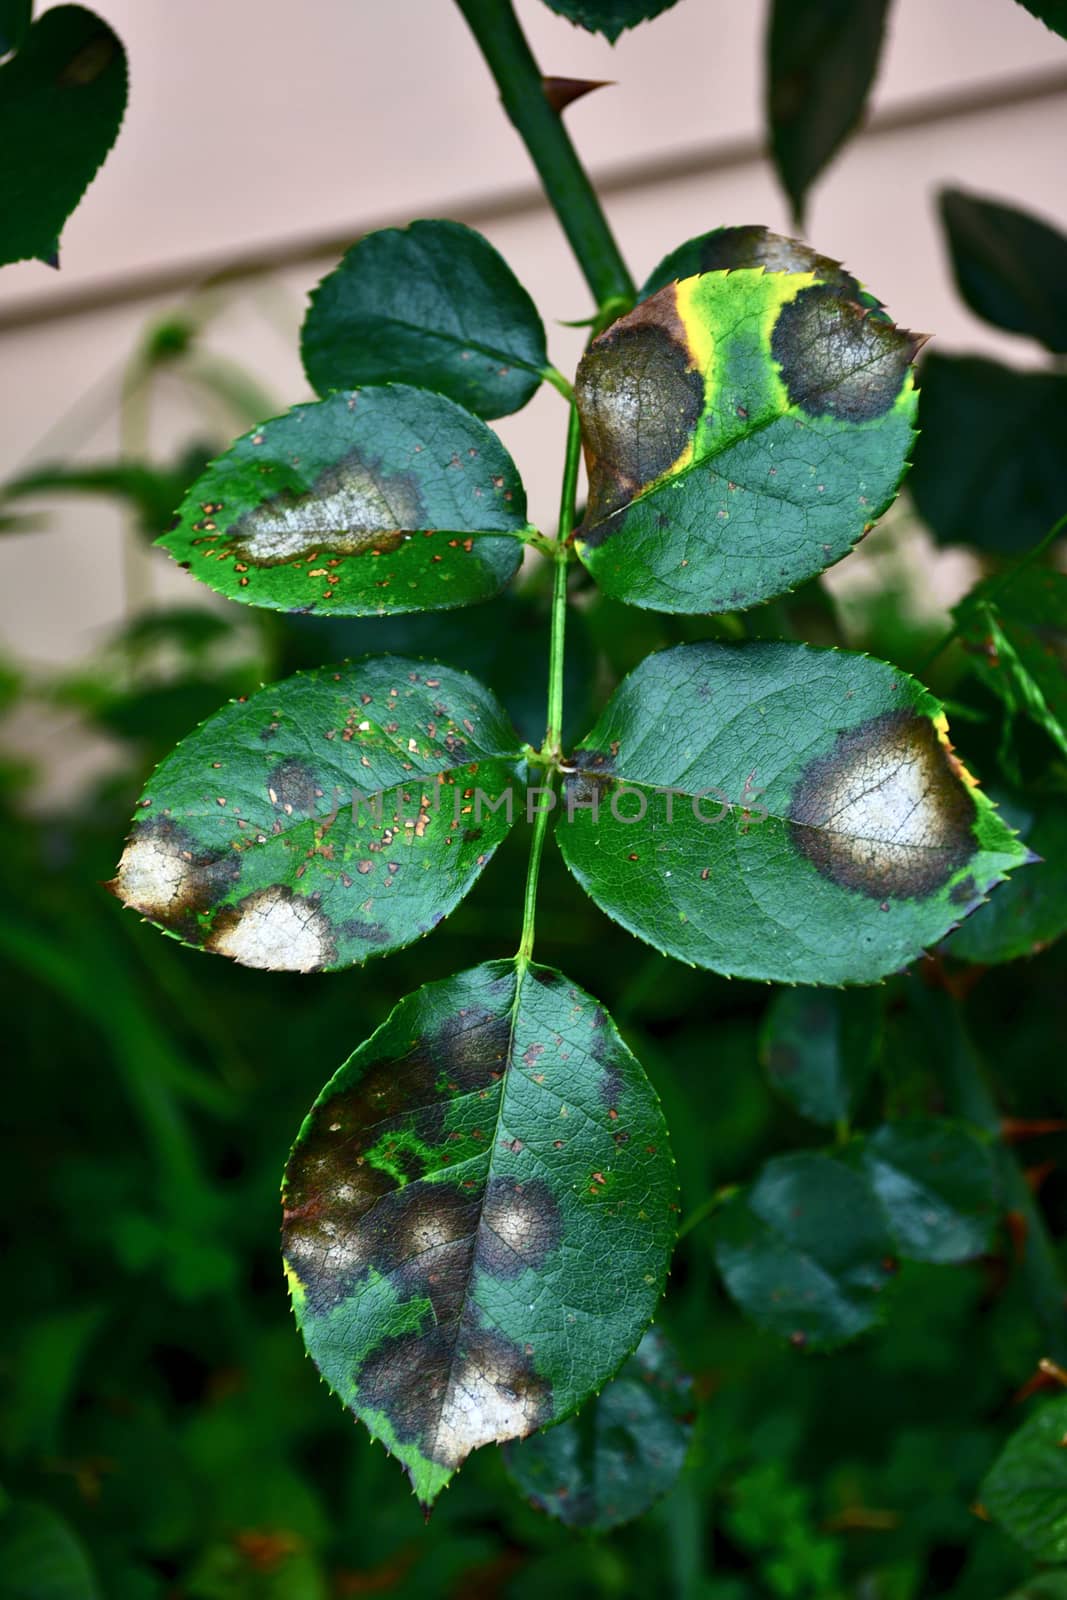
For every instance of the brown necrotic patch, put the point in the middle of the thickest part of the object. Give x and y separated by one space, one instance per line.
274 929
836 359
640 399
352 509
453 1387
165 877
728 249
884 813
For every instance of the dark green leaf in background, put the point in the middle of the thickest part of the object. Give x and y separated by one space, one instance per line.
609 17
748 245
1053 13
773 811
742 431
152 491
1016 636
805 1250
432 305
1010 267
937 1186
623 1450
819 1046
989 457
389 499
15 18
478 1215
326 819
40 1558
1026 1488
822 58
1029 911
62 99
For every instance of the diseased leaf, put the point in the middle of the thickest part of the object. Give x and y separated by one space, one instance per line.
444 1203
432 305
332 817
62 99
773 811
819 1046
805 1250
623 1450
1017 640
1026 1487
1029 911
749 245
937 1185
1053 13
609 17
989 459
742 430
822 58
379 500
15 18
1009 266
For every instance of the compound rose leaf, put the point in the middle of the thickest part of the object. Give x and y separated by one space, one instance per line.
432 305
445 1199
380 500
623 1450
326 819
774 811
742 430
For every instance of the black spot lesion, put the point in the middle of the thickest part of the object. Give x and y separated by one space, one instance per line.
885 812
292 787
520 1226
167 875
640 399
732 249
589 780
836 359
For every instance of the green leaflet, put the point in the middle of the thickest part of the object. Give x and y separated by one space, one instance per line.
62 99
622 1452
332 817
809 1248
1026 1488
989 458
749 245
1016 636
609 17
774 811
478 1215
819 1046
805 1250
1053 13
380 500
432 305
1009 266
1029 911
937 1186
742 430
822 58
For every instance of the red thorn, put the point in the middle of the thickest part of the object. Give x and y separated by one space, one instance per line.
561 92
1013 1130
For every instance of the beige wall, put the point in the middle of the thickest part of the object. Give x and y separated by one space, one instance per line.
258 124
